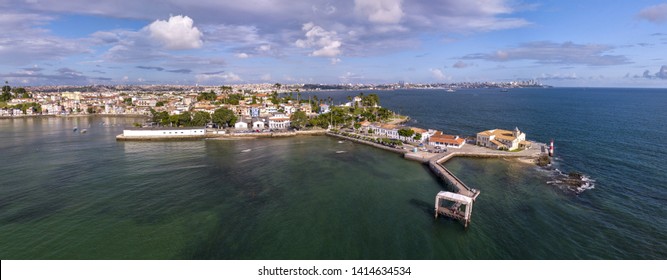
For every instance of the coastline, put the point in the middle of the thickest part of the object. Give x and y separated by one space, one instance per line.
76 116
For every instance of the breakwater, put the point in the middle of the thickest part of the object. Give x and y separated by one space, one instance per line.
215 134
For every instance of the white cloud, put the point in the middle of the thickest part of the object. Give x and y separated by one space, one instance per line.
380 11
179 33
335 60
438 74
327 42
265 77
225 77
242 55
264 48
23 40
655 14
567 53
460 64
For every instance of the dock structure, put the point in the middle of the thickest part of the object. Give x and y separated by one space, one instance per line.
463 195
456 204
454 211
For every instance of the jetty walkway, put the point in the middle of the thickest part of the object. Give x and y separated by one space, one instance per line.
463 196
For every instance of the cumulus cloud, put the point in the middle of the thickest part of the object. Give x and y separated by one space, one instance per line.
460 64
559 76
380 11
178 33
438 74
62 75
661 74
325 42
464 15
242 55
219 76
545 52
654 14
24 40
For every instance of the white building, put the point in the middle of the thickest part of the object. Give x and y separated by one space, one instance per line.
258 124
241 125
503 139
279 121
163 132
447 141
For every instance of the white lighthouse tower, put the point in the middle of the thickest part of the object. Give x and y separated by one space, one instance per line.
551 148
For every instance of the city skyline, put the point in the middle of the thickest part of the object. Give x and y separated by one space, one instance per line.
595 43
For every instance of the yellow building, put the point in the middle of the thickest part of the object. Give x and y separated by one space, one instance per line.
501 139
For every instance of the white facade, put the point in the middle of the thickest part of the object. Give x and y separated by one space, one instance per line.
258 125
501 139
163 132
279 122
241 125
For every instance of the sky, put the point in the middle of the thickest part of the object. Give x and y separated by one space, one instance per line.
215 42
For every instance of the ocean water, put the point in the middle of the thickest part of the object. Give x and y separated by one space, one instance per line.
67 195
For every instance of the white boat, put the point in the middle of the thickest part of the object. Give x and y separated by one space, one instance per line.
246 150
450 90
340 152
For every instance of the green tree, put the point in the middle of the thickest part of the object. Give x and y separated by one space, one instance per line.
224 116
357 126
406 132
159 104
160 117
210 96
184 119
418 136
299 119
384 113
20 93
6 92
201 118
127 101
233 99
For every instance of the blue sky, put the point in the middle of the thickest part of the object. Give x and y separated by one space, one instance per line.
561 43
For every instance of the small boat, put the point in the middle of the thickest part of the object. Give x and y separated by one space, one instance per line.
246 150
84 131
341 142
504 90
340 152
75 129
450 90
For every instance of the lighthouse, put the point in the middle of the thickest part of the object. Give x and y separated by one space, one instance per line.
551 148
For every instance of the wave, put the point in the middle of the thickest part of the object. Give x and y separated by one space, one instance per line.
573 182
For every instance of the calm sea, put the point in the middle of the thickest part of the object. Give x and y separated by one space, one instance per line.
67 195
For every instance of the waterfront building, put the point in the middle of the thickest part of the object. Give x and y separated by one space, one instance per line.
241 124
258 124
163 132
386 130
279 121
500 139
446 141
145 102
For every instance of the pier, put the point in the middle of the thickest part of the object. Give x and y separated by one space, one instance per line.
463 197
458 203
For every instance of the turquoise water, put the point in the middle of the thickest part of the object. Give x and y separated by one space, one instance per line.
66 195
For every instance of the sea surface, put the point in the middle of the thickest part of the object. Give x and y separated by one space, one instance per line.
71 195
